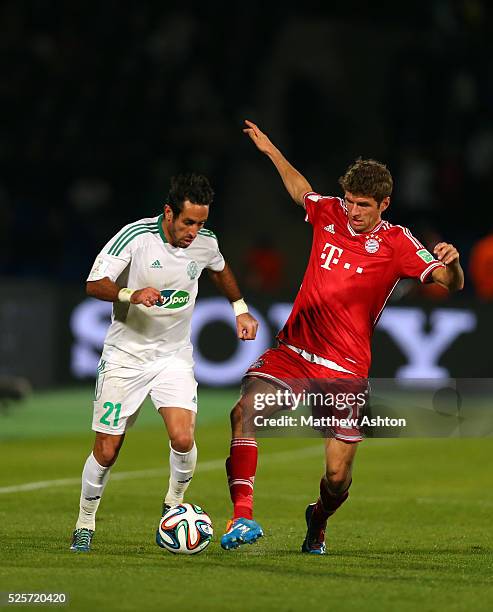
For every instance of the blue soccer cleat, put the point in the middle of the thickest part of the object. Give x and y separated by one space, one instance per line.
241 531
81 540
314 542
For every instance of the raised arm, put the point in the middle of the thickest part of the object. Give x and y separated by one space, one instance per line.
225 282
295 183
452 276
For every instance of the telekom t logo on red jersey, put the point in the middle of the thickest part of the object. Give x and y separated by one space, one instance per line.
331 255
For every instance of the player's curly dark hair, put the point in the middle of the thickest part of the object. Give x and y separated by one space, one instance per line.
193 187
367 177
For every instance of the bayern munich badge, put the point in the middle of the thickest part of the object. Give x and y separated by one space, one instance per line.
372 245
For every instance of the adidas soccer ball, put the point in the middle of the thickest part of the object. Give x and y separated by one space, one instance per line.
185 529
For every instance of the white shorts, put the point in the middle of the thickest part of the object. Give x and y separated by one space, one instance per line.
121 390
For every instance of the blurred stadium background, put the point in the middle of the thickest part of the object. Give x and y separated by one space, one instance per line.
102 102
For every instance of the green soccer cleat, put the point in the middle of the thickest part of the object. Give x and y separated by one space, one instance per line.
81 540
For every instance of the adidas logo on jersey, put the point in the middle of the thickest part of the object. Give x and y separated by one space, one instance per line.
330 228
156 265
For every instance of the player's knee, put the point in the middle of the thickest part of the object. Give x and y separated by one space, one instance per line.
106 451
337 479
236 415
182 442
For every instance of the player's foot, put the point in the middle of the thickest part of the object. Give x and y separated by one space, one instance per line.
241 531
81 540
165 509
314 542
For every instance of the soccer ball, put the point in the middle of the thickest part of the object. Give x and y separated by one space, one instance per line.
185 529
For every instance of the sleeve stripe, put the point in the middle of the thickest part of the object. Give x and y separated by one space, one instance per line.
410 237
127 232
207 232
130 237
432 266
416 241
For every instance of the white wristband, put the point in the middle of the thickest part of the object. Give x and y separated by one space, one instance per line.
239 307
125 294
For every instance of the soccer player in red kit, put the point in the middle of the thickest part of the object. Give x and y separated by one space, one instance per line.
356 260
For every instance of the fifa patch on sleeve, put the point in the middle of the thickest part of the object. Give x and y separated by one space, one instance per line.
425 255
100 266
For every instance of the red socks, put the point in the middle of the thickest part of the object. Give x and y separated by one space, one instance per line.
241 466
327 503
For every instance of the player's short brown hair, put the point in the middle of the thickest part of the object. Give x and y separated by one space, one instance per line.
367 177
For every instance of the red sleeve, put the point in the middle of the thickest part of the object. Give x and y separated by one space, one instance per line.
414 261
314 204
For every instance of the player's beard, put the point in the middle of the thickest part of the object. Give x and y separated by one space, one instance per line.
183 242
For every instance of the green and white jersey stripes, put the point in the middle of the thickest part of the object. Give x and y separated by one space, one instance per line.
206 232
129 233
139 256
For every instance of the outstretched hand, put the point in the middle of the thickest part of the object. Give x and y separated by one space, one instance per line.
260 139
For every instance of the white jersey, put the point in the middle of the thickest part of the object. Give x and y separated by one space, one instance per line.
140 256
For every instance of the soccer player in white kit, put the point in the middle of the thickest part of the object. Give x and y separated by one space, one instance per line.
150 271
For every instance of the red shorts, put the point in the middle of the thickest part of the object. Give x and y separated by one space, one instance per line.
342 396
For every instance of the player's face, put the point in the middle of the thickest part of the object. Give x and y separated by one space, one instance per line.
183 228
363 211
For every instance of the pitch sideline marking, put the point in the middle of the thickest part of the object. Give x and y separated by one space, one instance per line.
207 466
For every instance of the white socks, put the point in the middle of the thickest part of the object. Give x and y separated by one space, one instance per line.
94 479
181 468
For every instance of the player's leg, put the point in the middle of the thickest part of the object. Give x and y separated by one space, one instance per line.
95 475
174 394
334 490
180 424
119 394
241 465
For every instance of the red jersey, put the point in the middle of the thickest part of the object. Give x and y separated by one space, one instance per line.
347 283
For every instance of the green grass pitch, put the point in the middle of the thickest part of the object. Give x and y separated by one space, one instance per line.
416 533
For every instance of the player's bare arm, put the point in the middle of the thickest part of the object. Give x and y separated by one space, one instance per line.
225 281
105 289
295 183
452 276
